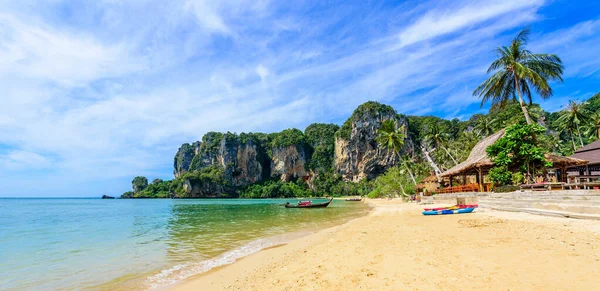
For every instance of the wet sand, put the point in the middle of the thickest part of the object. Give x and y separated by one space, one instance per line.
395 247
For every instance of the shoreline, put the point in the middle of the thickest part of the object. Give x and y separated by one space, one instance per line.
200 280
395 247
176 275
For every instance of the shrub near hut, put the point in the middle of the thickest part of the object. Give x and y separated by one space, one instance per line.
517 151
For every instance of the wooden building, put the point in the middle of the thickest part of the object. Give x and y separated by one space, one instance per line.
478 165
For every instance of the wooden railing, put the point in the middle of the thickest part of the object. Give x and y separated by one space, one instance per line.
460 188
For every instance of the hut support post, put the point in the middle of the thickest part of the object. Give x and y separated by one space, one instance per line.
465 178
480 179
450 181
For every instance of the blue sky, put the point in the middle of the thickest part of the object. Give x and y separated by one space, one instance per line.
96 92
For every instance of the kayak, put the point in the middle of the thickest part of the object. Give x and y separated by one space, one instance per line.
448 211
454 207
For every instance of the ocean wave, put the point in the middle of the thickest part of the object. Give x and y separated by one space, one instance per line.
181 272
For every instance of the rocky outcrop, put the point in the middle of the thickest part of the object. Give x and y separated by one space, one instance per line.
183 158
240 160
289 162
357 154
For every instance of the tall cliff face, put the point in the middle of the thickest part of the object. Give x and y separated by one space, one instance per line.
184 157
240 161
289 163
357 154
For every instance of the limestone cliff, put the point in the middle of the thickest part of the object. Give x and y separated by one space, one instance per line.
239 159
289 162
357 154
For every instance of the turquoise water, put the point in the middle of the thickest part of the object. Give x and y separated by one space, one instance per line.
74 244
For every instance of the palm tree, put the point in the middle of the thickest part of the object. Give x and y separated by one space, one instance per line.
391 137
517 72
437 135
568 128
485 125
593 126
573 116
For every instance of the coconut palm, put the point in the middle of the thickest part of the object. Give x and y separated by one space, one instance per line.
518 72
567 127
592 129
573 117
391 137
485 125
437 134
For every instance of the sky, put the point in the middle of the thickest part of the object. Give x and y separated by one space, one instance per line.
97 92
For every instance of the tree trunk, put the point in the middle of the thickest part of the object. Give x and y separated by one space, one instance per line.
572 140
410 173
433 165
447 152
401 187
579 133
523 106
598 132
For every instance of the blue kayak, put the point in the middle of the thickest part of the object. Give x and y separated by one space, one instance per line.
446 211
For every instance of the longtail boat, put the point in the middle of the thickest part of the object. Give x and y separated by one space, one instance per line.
448 211
353 199
308 204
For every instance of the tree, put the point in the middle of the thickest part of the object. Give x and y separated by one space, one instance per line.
437 134
485 125
517 151
574 116
393 183
592 129
391 137
139 183
518 72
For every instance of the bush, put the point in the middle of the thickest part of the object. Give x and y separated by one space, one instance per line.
506 188
288 137
500 176
275 189
518 178
128 194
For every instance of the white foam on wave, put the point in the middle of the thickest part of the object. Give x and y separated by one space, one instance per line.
183 271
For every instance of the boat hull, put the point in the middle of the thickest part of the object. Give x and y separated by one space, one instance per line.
455 207
317 205
448 211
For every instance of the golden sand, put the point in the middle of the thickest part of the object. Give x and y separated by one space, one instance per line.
397 248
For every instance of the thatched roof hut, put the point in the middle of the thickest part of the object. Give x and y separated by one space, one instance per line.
478 159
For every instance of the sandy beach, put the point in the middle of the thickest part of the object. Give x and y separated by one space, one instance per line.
396 248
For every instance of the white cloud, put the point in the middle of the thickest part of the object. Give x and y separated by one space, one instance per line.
207 16
444 21
262 72
37 51
24 160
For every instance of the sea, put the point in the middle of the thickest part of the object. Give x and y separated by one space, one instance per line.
143 244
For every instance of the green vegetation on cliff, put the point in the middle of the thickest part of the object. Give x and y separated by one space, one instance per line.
320 137
371 108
